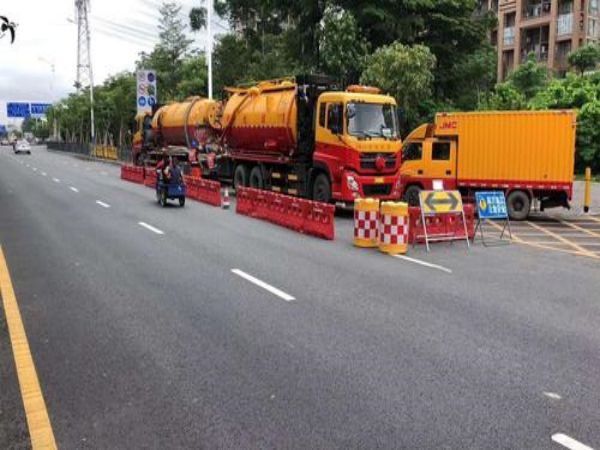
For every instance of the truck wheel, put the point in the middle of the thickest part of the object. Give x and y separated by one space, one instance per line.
240 176
321 189
518 204
256 178
182 201
411 195
163 198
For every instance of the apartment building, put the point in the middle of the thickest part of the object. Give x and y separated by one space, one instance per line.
549 29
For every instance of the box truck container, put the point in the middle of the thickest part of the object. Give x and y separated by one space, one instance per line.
527 154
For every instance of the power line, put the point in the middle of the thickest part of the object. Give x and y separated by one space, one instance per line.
135 30
123 37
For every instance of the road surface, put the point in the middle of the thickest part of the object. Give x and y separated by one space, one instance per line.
198 328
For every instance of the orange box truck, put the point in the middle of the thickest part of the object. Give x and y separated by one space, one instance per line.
527 154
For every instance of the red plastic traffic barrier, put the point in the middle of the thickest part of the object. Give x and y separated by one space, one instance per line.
443 224
297 214
132 173
206 191
150 177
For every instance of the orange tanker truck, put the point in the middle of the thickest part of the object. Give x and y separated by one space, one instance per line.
527 154
301 136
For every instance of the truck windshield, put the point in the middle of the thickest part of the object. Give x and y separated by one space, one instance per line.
372 120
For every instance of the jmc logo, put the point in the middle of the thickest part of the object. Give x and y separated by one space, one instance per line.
452 125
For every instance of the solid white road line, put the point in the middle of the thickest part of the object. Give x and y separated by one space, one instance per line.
104 205
262 284
569 442
423 263
56 180
151 228
74 189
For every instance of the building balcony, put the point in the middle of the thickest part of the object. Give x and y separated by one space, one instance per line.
564 24
534 11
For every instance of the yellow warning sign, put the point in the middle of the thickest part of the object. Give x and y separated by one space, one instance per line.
441 202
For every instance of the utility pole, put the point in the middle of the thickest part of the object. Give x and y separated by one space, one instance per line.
209 50
84 59
52 81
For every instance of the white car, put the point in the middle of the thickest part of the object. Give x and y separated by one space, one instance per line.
22 147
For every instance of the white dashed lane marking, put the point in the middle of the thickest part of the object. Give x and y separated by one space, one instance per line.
273 290
56 180
151 228
101 203
569 442
74 189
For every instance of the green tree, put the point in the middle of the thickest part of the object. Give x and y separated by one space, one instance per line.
585 58
198 18
404 72
588 136
505 97
166 58
342 47
529 77
193 77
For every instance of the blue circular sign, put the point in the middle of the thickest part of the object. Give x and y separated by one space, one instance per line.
142 101
151 77
151 101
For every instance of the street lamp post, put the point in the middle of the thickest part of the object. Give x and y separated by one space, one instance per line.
52 82
209 46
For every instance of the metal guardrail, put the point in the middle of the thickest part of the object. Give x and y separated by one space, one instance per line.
100 151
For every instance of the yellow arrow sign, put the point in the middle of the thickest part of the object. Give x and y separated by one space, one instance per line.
441 202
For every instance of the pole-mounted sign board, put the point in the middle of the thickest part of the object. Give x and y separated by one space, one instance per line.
491 205
146 91
18 109
440 202
443 203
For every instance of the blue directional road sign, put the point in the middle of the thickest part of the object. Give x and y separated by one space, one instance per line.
491 205
39 109
17 109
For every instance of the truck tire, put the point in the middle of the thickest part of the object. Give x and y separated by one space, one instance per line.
182 201
411 195
163 198
240 176
321 191
518 204
256 178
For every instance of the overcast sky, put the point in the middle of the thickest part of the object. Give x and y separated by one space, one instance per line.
120 29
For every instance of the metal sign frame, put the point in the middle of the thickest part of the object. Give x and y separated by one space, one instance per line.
454 211
481 218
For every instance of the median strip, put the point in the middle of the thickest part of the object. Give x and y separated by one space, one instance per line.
38 421
151 228
273 290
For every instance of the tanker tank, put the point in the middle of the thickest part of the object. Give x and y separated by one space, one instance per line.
262 118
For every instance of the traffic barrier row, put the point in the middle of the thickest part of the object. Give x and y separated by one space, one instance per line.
440 225
132 173
150 177
106 152
206 191
304 216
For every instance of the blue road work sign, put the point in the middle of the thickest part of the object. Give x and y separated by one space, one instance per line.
491 205
17 109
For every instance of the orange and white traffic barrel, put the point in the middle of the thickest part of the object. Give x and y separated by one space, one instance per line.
366 215
393 228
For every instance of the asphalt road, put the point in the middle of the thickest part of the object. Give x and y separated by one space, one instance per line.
146 340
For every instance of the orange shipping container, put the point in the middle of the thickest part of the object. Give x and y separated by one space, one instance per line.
530 155
512 146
